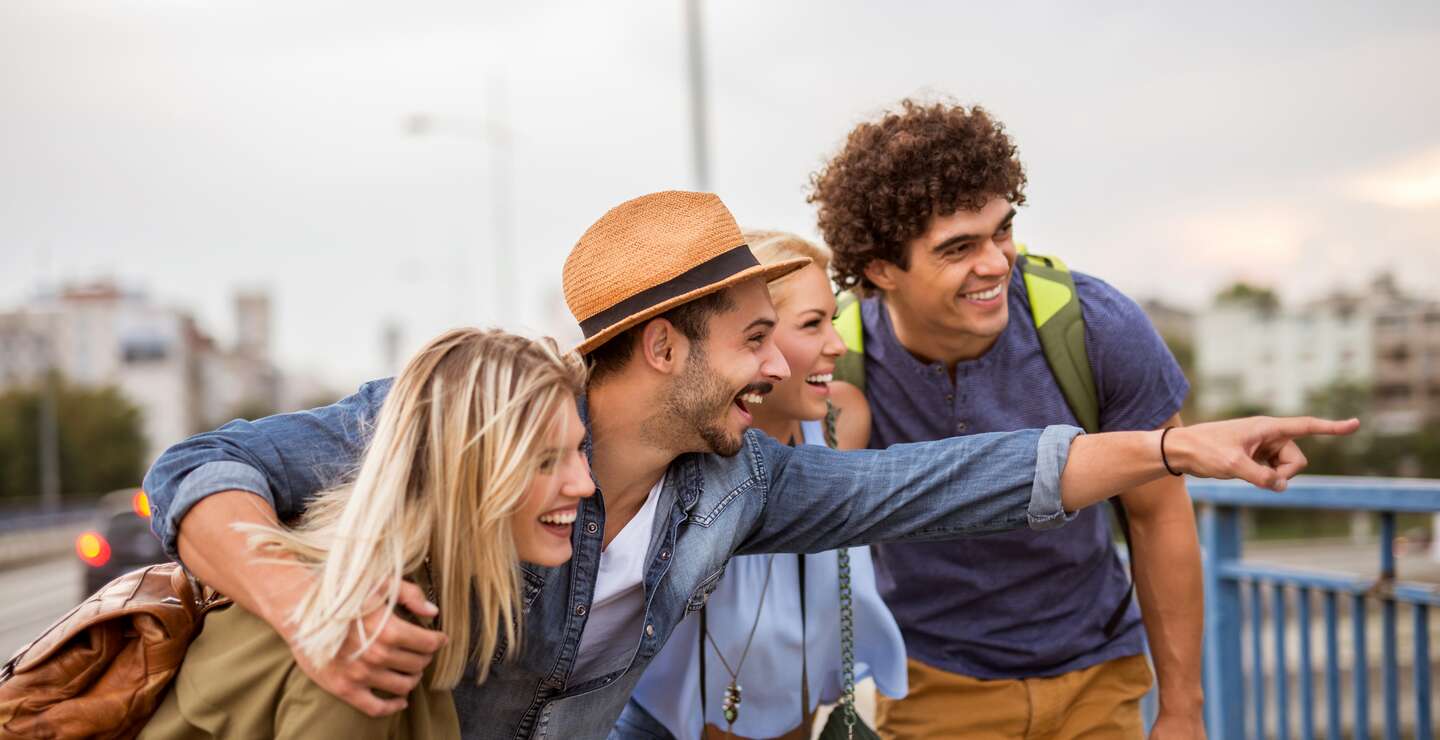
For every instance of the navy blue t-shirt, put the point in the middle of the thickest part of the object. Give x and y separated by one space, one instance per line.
1023 603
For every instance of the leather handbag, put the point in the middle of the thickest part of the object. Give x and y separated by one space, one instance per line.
102 669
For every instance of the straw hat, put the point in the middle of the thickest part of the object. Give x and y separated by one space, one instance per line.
651 254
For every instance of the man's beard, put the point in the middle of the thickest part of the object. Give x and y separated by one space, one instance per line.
699 402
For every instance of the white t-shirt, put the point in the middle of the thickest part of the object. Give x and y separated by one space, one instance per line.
613 630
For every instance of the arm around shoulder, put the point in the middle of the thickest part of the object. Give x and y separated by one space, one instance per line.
283 459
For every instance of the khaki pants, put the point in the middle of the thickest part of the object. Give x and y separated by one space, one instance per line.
1102 701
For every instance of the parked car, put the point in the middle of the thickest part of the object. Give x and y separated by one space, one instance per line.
121 540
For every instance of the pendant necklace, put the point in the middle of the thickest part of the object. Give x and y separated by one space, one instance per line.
731 705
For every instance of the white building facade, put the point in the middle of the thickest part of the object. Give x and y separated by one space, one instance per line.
1248 354
101 335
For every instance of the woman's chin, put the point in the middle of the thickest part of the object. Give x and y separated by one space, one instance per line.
548 557
815 409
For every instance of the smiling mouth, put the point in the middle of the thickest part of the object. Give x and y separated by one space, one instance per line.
984 295
749 398
559 521
820 379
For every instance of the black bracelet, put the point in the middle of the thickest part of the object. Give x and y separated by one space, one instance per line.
1164 459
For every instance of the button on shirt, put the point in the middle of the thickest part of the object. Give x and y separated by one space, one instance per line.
618 607
1018 603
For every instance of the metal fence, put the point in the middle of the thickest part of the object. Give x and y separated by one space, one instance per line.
1267 612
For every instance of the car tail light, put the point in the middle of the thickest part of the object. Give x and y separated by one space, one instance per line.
140 502
93 549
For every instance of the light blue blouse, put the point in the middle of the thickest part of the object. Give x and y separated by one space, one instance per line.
770 676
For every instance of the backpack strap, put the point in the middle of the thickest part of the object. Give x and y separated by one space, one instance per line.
851 365
1055 306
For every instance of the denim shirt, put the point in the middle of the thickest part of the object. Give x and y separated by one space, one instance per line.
768 498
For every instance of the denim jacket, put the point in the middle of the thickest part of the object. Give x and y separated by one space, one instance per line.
768 498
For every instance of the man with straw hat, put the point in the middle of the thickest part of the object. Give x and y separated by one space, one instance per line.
677 320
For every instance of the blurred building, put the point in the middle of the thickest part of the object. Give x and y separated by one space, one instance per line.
101 334
1407 359
241 380
23 350
1175 324
1254 352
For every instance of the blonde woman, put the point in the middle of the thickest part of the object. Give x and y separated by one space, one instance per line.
475 465
772 627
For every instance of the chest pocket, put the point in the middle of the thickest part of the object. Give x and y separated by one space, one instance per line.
706 516
702 593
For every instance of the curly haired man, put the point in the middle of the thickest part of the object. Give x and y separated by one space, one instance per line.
1026 634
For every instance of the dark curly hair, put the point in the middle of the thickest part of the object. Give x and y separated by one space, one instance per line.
881 190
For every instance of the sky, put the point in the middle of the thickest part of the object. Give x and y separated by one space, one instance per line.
190 149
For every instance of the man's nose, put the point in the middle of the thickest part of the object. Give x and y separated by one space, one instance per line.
993 261
773 366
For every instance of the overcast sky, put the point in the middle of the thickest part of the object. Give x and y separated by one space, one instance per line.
191 148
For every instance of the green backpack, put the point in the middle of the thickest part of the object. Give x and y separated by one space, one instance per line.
1061 328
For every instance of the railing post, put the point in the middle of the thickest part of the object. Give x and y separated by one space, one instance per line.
1224 694
1389 660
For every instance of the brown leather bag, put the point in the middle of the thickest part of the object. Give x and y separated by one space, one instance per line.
101 670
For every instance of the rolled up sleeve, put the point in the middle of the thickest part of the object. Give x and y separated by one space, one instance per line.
1051 453
284 459
208 479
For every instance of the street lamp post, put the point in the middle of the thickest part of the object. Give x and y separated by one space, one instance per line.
494 131
49 424
695 47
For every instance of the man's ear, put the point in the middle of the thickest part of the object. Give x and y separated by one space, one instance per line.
882 274
662 345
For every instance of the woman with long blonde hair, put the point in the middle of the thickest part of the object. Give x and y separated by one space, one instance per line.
474 464
766 649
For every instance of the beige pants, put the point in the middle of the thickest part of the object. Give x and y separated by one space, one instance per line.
1102 701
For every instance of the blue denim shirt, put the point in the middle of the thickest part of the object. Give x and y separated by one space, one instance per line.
768 498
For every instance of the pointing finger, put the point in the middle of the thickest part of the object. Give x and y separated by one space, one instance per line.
1301 426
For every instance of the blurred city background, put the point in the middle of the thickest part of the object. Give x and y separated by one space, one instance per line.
223 210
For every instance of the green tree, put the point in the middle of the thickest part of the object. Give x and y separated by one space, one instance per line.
1351 455
1241 292
1242 409
251 409
1184 353
101 442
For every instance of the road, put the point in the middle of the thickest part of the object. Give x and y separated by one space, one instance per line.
34 595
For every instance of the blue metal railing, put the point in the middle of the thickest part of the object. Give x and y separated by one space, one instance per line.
1234 587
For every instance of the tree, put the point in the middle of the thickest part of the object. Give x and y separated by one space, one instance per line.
1261 297
1351 455
251 409
101 442
1184 353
